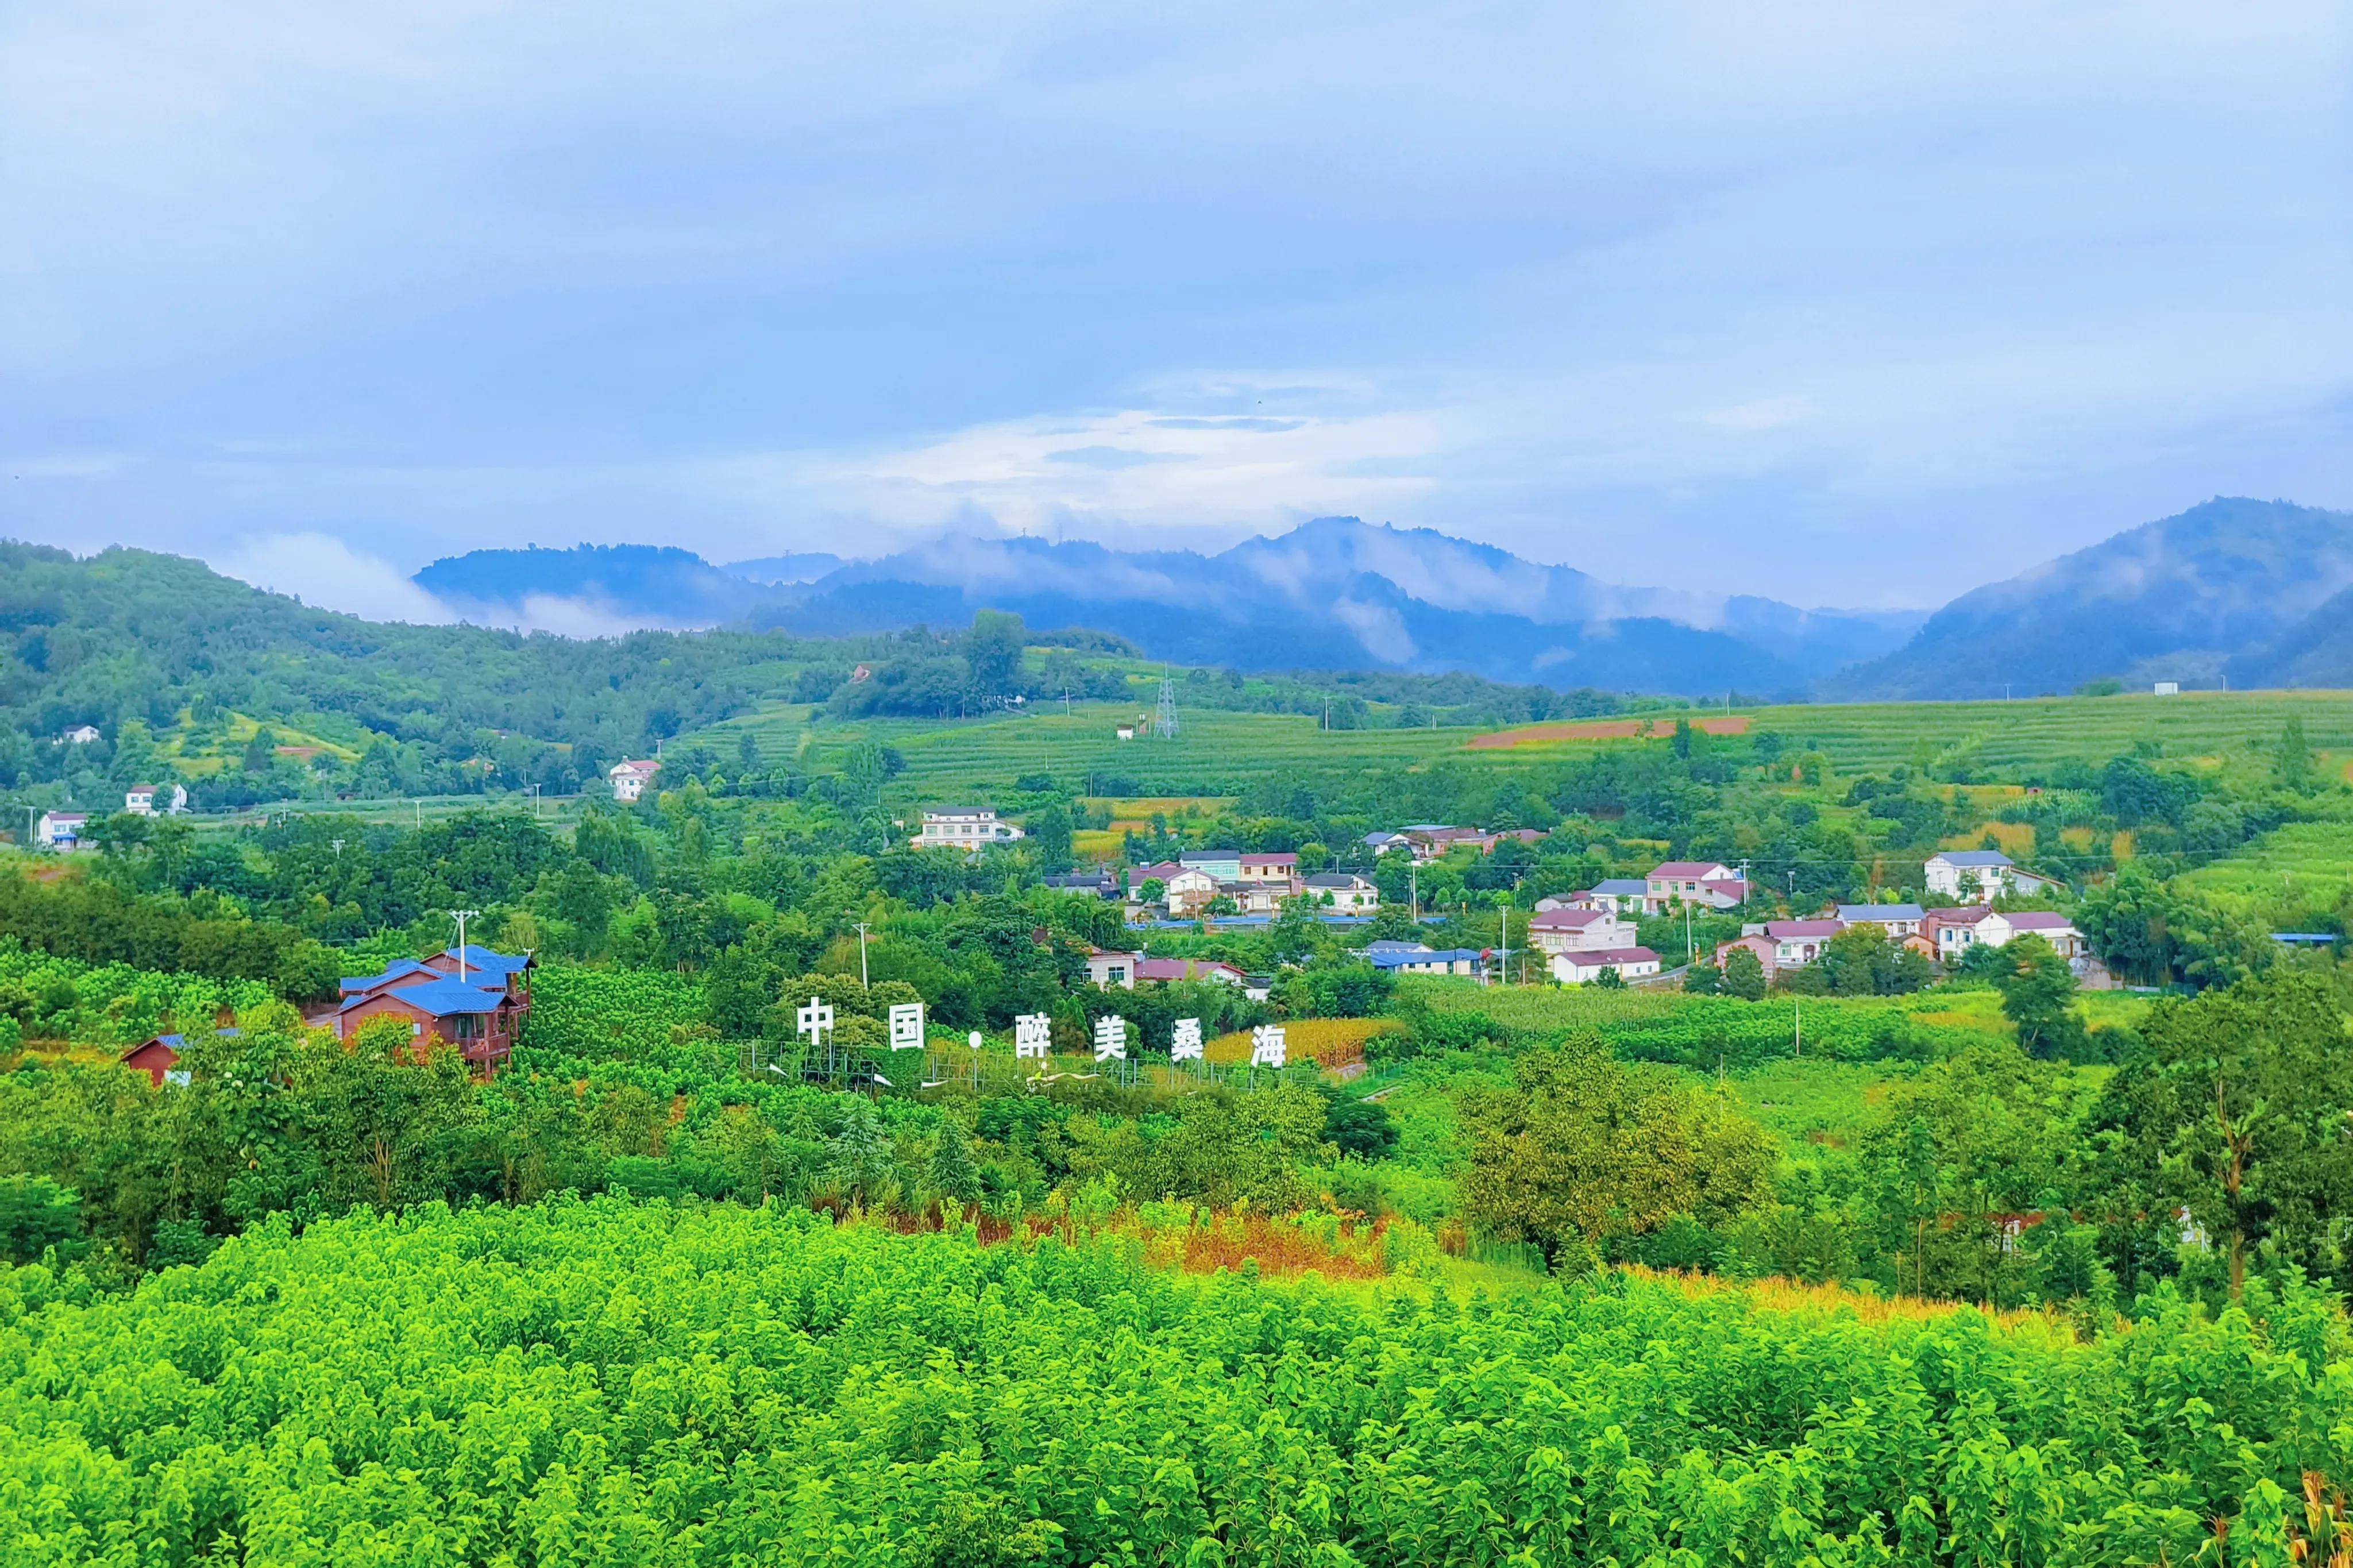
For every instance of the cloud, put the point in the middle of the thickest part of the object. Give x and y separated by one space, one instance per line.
325 572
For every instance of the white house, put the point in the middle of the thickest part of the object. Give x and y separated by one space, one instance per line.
1979 876
1709 883
80 735
1382 843
1348 893
1613 895
1999 928
1578 930
60 830
1582 968
140 799
1794 942
1125 731
1183 888
630 778
1112 970
964 827
1899 921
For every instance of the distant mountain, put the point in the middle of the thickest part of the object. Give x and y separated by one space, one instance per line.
1338 593
2242 590
639 583
805 566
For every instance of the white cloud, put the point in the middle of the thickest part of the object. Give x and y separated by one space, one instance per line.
322 571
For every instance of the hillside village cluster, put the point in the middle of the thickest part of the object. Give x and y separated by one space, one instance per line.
1580 935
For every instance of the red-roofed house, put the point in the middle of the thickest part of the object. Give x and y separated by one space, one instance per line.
1161 971
1578 930
1583 968
1710 883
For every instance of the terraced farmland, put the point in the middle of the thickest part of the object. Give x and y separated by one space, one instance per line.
1215 753
2038 732
2312 861
1218 752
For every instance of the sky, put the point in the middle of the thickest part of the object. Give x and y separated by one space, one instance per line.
1845 304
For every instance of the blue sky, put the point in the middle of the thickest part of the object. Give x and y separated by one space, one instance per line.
1845 304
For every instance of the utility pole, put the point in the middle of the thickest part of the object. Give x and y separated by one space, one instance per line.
1689 953
535 803
420 814
461 917
861 953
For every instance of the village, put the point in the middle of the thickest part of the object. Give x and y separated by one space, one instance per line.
1575 939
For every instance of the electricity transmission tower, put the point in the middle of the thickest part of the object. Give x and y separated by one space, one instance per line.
1165 724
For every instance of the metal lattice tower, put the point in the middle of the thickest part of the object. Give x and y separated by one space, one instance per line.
1165 724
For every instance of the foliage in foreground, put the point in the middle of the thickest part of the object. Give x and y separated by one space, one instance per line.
608 1383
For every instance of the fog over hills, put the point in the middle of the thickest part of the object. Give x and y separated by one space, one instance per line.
1333 592
2232 591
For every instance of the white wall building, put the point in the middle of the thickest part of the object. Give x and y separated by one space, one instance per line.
60 830
1584 968
630 778
964 827
1569 930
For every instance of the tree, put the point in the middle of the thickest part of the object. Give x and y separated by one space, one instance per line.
953 1175
36 1214
1744 974
2293 764
1050 830
1703 979
992 653
2251 1090
2038 994
1580 1150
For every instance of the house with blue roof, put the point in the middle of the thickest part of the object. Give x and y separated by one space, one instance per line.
471 997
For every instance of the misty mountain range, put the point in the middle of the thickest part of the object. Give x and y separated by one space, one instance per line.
2236 591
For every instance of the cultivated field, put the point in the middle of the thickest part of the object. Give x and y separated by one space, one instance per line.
2308 860
2038 732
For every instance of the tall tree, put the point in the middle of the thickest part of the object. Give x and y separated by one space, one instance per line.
2251 1092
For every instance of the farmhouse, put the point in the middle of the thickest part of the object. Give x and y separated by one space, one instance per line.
1183 888
1282 867
1898 921
1951 931
1111 970
1709 883
1098 882
1954 931
1225 865
1584 967
158 1056
1615 895
1977 876
1345 890
630 778
1782 944
472 998
964 827
80 735
1162 970
1382 843
1572 929
1419 958
61 829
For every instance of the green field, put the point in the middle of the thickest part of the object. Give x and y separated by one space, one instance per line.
2038 732
1217 750
2311 861
1212 748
